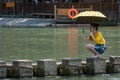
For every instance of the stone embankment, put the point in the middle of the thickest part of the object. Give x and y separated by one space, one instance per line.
68 67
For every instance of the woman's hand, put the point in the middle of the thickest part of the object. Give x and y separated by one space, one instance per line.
86 39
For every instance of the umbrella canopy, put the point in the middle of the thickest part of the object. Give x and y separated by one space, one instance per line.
90 17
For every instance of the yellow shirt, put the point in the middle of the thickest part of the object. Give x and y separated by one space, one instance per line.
98 38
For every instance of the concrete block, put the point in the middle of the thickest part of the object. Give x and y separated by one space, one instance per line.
26 71
22 63
3 69
72 65
23 68
47 67
115 61
71 61
95 65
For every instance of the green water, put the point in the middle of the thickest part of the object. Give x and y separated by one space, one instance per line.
55 43
82 77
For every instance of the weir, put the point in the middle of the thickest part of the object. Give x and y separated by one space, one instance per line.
68 67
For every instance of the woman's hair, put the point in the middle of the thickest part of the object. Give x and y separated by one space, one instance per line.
94 25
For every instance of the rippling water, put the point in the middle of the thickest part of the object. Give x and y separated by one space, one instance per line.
55 43
82 77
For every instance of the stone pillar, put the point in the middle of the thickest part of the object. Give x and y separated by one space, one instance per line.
23 68
72 66
47 67
3 69
95 65
115 61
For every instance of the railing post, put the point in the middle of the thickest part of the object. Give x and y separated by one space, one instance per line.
55 14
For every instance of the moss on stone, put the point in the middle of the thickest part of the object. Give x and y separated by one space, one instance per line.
63 70
13 73
40 72
109 68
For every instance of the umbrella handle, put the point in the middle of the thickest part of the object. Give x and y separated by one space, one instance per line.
83 31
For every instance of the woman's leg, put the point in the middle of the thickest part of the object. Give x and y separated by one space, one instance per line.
91 48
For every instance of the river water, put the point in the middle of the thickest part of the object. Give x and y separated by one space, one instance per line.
55 43
82 77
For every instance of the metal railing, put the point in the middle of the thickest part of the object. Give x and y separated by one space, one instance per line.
31 8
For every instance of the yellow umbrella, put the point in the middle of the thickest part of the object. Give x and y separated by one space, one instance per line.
90 17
